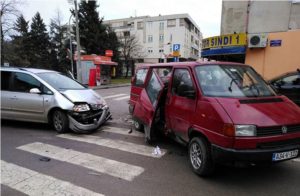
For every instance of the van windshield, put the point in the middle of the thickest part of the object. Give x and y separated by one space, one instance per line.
59 81
231 81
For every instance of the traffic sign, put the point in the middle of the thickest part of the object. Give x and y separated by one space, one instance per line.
176 47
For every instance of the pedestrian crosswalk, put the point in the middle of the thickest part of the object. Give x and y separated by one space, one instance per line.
117 97
32 182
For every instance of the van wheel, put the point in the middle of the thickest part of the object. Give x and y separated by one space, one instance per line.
200 157
60 121
138 126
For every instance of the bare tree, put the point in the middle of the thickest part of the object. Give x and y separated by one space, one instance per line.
8 13
130 49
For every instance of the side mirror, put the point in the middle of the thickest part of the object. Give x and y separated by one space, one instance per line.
35 91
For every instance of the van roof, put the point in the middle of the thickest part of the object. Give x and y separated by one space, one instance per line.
188 63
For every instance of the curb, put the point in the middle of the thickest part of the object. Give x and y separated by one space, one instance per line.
109 86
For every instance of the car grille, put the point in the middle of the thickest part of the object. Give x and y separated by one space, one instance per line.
278 144
276 130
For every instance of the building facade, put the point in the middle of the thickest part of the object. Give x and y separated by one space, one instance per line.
158 37
270 35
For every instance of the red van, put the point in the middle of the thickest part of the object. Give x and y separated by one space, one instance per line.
224 112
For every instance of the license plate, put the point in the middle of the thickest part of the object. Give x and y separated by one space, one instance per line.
284 155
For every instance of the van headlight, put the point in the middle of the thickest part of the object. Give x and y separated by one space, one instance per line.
245 130
81 108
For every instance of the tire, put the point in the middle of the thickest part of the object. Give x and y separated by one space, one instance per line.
60 121
200 157
138 126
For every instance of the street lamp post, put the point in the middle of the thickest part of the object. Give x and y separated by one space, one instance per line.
1 38
71 48
79 74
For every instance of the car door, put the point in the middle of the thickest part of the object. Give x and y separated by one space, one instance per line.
6 99
147 103
181 102
137 85
26 106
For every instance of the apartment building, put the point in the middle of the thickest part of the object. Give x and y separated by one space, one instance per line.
159 35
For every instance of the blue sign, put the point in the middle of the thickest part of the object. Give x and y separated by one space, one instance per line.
274 43
176 47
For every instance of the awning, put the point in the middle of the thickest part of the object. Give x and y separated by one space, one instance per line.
224 51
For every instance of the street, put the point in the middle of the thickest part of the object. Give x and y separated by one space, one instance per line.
115 161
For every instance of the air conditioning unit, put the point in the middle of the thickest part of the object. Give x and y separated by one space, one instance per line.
257 40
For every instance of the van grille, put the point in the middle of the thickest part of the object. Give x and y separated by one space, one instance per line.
279 144
277 130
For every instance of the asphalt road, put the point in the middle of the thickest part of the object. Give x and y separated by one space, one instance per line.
114 162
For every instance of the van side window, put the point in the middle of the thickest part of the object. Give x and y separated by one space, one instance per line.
182 83
5 80
140 77
24 82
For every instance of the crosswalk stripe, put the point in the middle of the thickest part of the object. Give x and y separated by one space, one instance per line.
113 96
297 160
116 144
96 163
121 98
33 183
122 131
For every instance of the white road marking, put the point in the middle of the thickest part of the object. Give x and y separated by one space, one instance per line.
33 183
113 96
297 160
122 98
116 144
122 131
96 163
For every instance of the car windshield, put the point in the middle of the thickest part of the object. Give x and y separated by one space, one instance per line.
59 81
231 81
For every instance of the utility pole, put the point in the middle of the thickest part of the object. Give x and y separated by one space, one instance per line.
71 48
79 70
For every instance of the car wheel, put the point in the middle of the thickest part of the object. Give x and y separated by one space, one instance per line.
200 157
137 126
60 121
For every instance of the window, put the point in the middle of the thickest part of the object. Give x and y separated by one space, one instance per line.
24 82
182 83
150 50
161 25
192 39
140 77
5 80
291 80
150 25
140 25
171 23
182 22
161 38
150 38
161 50
153 88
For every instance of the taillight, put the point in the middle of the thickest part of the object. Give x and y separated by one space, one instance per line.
229 130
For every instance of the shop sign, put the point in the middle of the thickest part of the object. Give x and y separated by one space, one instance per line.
275 43
225 40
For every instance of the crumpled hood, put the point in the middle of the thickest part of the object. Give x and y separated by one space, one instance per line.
261 111
84 95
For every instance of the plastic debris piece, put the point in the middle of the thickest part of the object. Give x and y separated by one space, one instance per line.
130 131
45 159
156 151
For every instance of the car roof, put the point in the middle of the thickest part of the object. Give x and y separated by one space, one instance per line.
285 74
188 63
31 70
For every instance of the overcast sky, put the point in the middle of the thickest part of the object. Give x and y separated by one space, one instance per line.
206 13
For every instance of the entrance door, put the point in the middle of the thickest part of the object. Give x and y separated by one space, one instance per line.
181 103
147 103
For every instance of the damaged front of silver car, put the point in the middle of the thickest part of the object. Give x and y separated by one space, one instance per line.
89 112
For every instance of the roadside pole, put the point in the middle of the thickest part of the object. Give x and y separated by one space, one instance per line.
79 70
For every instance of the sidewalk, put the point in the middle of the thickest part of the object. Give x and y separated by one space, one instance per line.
109 86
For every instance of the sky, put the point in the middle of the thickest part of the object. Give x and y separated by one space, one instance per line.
206 13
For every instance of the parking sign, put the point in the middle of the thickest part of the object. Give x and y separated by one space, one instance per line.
176 47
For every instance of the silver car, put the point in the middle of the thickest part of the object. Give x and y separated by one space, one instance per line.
45 96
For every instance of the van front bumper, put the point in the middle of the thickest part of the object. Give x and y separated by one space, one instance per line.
98 120
225 155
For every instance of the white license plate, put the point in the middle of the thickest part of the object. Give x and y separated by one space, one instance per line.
284 155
